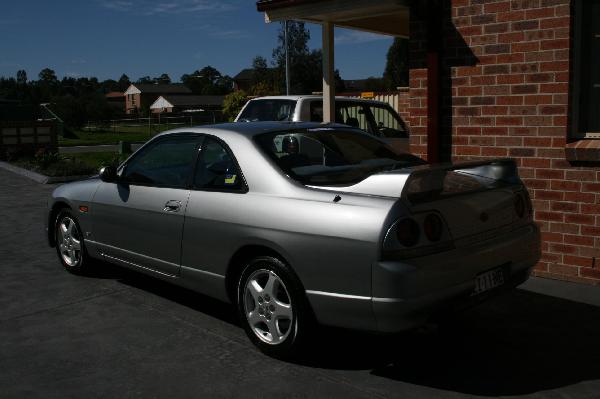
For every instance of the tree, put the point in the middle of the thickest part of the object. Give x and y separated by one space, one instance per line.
47 75
396 68
163 79
21 77
233 103
145 80
207 81
305 65
124 82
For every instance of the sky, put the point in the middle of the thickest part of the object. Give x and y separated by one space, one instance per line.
106 38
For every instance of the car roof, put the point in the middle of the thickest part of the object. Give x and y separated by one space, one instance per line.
319 97
254 128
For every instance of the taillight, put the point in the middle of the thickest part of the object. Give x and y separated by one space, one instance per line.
433 227
408 232
520 206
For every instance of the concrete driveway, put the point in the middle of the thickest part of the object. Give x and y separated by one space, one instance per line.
117 334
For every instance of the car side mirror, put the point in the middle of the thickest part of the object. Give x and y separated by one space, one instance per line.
108 174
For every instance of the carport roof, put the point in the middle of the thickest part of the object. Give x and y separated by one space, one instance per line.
388 17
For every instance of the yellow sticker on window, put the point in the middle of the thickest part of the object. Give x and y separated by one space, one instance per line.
230 179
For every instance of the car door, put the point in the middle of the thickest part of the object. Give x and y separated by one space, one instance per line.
138 220
212 226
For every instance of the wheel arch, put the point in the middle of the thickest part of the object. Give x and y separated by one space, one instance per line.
245 253
56 208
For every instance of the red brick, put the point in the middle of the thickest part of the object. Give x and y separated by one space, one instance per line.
550 216
494 152
577 261
537 163
524 89
552 237
590 231
537 142
558 22
554 44
591 187
580 197
578 240
550 174
591 273
565 207
539 99
580 219
565 185
564 228
562 248
502 6
563 270
593 209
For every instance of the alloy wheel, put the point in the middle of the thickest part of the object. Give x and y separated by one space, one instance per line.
268 307
69 242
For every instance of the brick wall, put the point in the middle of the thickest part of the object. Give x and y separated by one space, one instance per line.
505 92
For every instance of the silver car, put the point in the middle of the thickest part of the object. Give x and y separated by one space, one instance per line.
303 223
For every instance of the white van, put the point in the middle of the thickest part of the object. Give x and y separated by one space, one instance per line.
375 117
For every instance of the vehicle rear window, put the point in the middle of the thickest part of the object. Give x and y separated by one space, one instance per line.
268 110
332 156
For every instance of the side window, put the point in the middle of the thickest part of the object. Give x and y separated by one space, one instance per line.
166 163
388 124
316 111
352 115
585 86
216 168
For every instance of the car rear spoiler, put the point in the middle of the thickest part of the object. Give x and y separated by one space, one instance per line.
430 182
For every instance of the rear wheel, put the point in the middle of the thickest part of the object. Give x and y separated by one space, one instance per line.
272 307
69 243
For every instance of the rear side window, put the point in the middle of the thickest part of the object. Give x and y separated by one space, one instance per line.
217 169
268 110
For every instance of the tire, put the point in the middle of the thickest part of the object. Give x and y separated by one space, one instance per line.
273 308
70 247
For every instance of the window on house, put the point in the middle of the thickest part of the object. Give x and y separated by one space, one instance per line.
586 74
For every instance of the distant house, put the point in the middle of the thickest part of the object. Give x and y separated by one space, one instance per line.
116 99
141 96
243 80
206 108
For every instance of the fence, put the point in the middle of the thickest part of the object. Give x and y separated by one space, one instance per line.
153 123
26 137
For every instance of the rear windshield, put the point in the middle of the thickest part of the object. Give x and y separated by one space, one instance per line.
332 157
268 110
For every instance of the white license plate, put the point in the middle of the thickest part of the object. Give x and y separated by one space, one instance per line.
488 280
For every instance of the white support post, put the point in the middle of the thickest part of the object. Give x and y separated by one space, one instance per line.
328 73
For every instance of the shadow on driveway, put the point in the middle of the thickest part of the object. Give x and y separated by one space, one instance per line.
516 344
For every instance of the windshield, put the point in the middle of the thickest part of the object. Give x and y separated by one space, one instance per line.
332 157
268 110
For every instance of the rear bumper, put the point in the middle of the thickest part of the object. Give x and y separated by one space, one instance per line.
407 293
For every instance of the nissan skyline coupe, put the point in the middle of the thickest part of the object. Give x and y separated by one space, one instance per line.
301 224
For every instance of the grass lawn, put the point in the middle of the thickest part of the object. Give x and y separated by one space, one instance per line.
84 163
132 134
96 138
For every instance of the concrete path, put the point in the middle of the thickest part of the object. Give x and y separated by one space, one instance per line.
117 334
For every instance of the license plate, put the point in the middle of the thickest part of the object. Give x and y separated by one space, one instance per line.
488 280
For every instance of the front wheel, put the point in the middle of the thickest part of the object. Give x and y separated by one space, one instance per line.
69 243
272 307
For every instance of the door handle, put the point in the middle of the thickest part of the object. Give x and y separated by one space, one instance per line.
172 206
